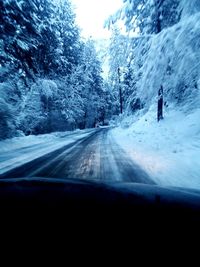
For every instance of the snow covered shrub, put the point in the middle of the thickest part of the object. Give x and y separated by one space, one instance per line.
6 120
37 107
8 107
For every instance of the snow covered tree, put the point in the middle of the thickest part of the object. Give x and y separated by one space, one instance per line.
129 85
119 52
163 14
38 40
68 36
21 34
147 16
92 84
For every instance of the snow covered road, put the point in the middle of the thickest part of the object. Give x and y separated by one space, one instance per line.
92 155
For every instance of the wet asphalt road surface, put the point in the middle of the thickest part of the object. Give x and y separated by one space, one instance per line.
95 157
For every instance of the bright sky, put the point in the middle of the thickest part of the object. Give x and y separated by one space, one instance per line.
91 15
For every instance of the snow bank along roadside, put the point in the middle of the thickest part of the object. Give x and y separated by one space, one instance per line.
19 150
168 151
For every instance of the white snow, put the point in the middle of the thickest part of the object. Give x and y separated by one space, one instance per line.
168 151
20 150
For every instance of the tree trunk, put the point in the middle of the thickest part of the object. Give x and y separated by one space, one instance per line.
160 104
159 13
120 93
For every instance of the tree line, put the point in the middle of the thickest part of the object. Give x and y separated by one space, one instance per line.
51 79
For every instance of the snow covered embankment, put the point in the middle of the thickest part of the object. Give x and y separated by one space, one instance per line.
168 151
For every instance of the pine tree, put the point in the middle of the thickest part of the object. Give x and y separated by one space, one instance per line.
92 85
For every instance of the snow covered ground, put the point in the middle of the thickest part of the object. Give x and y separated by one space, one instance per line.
19 150
168 151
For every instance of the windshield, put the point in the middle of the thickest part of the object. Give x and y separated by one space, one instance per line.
101 90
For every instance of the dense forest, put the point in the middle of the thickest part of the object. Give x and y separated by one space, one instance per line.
51 79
